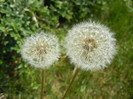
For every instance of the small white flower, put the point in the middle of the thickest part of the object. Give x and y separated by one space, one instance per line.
41 50
90 45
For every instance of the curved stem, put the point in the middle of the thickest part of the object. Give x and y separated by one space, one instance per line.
42 85
76 73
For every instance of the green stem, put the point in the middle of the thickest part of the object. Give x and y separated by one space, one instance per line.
42 85
76 73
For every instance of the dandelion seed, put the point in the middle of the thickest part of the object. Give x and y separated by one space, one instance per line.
90 46
41 50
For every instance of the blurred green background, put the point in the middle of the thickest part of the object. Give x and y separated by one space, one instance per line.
21 18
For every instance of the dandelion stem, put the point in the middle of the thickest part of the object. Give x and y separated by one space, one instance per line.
42 85
76 73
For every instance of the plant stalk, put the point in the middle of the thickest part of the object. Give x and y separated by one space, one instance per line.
42 85
75 75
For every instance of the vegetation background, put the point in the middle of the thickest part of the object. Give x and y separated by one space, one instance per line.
21 18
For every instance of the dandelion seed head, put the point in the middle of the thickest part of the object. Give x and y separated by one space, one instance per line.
90 46
41 50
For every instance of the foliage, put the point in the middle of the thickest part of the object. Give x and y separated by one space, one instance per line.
21 18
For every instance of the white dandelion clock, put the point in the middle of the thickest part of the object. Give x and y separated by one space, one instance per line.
41 50
90 45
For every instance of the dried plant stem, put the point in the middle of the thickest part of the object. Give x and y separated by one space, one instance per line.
42 85
76 73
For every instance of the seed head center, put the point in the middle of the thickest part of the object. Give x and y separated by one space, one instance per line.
89 44
41 49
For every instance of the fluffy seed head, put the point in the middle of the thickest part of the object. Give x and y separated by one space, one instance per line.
90 45
41 50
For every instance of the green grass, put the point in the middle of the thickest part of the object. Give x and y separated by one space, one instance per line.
114 82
